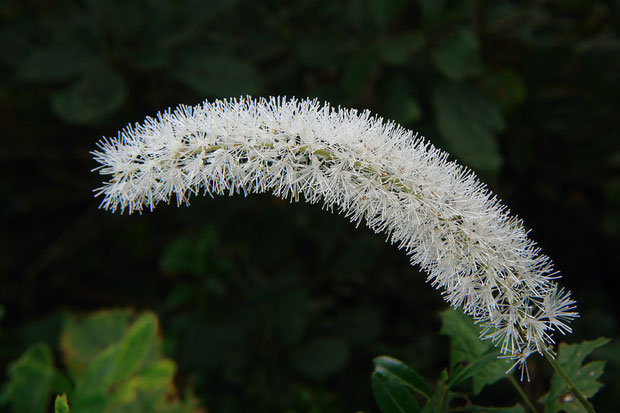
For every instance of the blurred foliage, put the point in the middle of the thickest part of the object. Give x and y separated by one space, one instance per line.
296 302
112 366
61 405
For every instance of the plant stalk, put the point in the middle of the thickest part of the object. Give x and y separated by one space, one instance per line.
526 399
547 352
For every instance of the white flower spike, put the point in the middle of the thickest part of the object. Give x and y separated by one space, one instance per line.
374 172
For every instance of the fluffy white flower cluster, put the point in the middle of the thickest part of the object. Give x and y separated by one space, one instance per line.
373 172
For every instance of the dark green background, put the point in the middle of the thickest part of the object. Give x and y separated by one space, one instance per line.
266 305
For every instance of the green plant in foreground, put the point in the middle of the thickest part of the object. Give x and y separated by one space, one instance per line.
113 364
394 384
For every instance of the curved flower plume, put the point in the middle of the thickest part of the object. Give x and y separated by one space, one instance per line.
372 171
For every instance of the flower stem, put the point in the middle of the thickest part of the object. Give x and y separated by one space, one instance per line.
547 352
526 399
385 177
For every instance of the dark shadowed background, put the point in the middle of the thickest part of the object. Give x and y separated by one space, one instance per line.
271 306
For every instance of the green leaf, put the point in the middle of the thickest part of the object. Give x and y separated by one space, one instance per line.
585 377
321 357
507 87
403 374
358 72
315 50
189 255
99 92
135 346
90 403
124 369
457 56
31 380
384 12
82 339
121 19
155 379
473 368
158 375
466 347
468 121
5 393
396 50
150 56
432 9
441 395
397 101
486 409
100 372
465 343
213 75
391 395
65 57
284 309
61 405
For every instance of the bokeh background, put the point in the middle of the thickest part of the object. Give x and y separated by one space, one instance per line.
270 306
